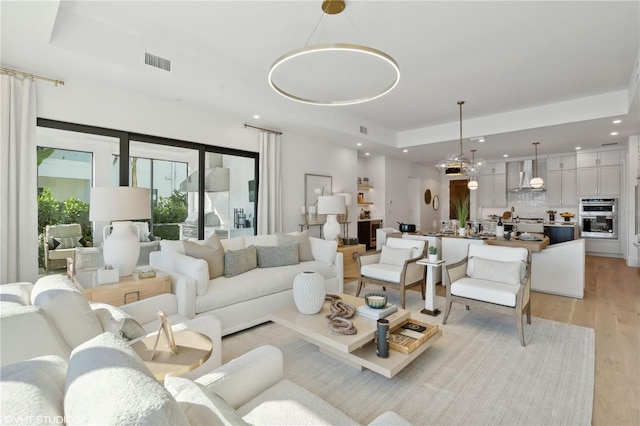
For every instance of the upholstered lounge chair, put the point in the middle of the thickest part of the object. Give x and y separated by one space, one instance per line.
60 242
493 277
394 266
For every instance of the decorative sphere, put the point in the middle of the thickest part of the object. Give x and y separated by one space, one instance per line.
472 185
536 182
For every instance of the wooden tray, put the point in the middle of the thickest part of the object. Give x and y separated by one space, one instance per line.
407 344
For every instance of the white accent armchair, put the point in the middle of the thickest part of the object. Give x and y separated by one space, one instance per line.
394 266
493 277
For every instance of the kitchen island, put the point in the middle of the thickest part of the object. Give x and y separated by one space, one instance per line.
555 269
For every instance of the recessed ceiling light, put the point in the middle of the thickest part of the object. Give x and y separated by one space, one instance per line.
366 153
505 155
617 121
614 133
481 140
578 148
256 116
359 144
405 150
478 138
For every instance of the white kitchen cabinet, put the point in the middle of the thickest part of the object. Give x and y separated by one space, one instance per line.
493 184
599 180
562 163
493 190
562 188
598 159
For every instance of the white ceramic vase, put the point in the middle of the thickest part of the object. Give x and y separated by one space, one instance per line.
462 232
433 258
121 249
309 292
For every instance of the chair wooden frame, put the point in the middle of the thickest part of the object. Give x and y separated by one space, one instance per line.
456 271
412 274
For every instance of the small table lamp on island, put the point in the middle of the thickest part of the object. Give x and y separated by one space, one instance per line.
120 204
331 205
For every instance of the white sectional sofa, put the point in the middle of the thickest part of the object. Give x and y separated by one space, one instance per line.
104 382
52 317
243 300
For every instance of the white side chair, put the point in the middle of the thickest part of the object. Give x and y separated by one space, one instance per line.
492 277
394 266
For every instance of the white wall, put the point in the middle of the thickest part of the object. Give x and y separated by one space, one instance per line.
302 155
633 175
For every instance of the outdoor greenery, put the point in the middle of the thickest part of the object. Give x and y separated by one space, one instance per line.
461 207
170 210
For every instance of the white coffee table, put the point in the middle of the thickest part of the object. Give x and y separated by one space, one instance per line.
357 350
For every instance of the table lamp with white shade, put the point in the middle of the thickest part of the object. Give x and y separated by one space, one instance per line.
331 205
120 204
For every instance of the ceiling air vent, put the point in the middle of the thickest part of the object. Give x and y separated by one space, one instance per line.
609 144
157 61
363 130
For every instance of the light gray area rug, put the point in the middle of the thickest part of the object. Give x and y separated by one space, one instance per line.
477 373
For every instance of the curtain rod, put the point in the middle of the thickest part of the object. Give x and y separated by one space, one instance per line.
262 128
32 76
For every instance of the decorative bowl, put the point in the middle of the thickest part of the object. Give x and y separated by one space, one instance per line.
375 300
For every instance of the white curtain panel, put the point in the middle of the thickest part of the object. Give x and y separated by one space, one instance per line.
270 185
18 181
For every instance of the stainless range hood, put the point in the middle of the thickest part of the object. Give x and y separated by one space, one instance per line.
525 174
215 180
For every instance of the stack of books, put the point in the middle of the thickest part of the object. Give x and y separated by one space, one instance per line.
369 312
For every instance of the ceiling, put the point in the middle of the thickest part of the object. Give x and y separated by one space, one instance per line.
555 72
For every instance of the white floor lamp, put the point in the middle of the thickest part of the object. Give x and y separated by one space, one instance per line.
332 206
120 204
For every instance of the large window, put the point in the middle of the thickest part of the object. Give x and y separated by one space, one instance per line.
77 157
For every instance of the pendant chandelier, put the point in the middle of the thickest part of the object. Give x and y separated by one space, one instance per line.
455 164
536 182
292 78
473 179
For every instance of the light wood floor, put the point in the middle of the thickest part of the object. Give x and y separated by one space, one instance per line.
611 306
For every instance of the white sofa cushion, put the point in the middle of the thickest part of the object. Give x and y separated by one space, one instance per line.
168 248
201 405
286 403
107 383
395 256
15 294
67 307
256 283
260 240
324 250
32 391
382 271
485 290
27 332
416 246
235 243
304 245
495 270
504 254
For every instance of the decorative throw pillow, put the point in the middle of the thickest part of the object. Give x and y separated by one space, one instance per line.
213 257
496 270
53 243
67 242
304 245
116 321
394 256
271 256
201 405
240 261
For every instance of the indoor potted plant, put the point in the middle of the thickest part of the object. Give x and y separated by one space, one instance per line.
461 207
433 253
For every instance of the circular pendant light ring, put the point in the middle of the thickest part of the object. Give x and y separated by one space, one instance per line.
328 48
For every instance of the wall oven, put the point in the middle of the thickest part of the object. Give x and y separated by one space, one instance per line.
598 218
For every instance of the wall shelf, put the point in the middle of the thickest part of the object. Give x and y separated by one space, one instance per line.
365 187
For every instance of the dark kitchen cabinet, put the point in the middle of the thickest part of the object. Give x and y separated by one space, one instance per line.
367 232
